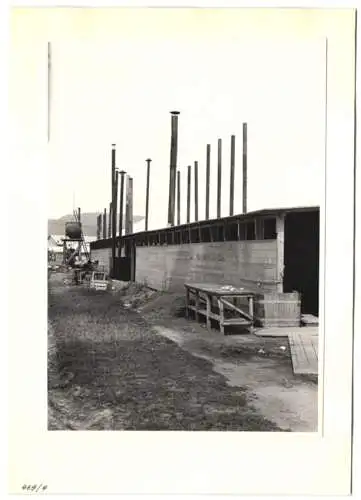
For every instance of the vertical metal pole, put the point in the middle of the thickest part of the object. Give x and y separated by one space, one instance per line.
147 195
208 170
219 183
115 204
79 243
189 196
244 196
121 210
99 226
113 233
113 171
231 192
173 167
116 200
110 221
130 191
196 191
128 207
105 224
178 197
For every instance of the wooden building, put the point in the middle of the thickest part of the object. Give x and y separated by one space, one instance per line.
273 252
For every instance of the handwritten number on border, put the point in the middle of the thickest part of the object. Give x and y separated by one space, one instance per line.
34 488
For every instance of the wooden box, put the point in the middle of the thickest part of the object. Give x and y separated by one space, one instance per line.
278 309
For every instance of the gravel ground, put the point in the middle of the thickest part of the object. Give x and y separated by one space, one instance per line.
109 369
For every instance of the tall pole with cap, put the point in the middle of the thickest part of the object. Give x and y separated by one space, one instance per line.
113 208
173 168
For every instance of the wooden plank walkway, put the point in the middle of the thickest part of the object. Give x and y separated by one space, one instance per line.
309 320
304 351
303 344
273 331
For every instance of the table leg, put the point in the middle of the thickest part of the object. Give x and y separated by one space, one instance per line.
187 302
208 317
251 312
197 304
250 304
221 316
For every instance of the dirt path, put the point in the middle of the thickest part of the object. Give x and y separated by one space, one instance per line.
270 385
261 366
110 369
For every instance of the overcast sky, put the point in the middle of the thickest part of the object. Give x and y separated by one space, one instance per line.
122 91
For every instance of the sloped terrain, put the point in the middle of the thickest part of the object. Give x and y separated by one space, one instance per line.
110 369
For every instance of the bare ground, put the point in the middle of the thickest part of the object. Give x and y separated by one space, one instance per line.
261 366
109 369
124 360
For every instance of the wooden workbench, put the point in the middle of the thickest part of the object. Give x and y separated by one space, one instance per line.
224 297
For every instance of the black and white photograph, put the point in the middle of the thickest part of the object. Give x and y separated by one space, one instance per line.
183 291
185 155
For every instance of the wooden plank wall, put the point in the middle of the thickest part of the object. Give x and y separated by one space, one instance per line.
245 263
104 256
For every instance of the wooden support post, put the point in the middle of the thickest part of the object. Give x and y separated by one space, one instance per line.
187 302
259 228
189 196
219 180
221 315
197 304
251 307
208 317
280 229
196 191
231 187
208 173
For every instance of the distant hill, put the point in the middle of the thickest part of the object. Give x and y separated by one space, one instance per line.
88 219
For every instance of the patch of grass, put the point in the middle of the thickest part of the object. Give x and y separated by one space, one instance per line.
117 373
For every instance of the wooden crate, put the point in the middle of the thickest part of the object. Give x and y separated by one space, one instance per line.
278 309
